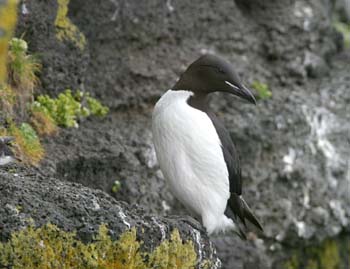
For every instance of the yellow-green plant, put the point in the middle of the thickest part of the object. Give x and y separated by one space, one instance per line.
22 70
22 66
7 99
26 144
116 186
327 255
65 29
43 123
95 107
8 18
67 108
50 247
344 28
262 89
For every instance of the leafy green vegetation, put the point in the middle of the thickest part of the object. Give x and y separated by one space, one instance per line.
15 94
96 107
50 247
44 114
67 108
116 186
262 89
22 70
343 28
18 89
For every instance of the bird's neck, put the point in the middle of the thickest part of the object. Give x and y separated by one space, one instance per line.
199 100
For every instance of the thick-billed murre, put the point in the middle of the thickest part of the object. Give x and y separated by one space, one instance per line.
195 151
6 154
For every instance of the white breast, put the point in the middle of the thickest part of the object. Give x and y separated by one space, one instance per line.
190 156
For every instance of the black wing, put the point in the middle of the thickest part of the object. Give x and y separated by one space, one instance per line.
236 202
230 155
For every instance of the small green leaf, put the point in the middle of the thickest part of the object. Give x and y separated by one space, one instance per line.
262 89
116 186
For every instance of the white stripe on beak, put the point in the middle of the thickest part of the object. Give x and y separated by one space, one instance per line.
231 85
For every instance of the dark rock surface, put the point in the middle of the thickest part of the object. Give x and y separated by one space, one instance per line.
27 197
64 64
138 49
294 146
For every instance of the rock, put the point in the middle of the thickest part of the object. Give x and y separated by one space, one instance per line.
28 198
59 44
315 66
294 146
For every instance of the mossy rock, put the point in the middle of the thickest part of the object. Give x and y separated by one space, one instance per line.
128 237
51 247
330 254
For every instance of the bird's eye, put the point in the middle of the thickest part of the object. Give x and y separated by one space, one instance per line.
221 71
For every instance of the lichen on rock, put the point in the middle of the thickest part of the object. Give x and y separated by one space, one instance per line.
107 233
65 29
52 247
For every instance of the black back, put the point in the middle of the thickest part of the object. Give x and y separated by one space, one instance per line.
230 155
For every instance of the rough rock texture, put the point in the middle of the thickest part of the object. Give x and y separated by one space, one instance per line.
27 198
294 146
138 49
64 62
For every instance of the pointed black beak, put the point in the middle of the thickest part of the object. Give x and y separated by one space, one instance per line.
242 91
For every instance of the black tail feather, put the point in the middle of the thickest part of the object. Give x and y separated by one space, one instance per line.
241 209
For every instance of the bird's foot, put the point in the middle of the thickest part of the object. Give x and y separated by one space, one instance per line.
193 222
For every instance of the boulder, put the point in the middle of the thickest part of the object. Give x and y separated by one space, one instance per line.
31 200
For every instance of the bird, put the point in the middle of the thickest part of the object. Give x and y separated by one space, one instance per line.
195 151
6 154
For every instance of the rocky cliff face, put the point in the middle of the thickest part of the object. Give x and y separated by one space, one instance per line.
294 146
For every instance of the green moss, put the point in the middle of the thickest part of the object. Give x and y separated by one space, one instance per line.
67 108
116 186
292 263
8 18
330 254
312 264
343 28
65 29
50 247
262 89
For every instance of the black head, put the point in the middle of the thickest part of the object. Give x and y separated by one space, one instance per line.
211 73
